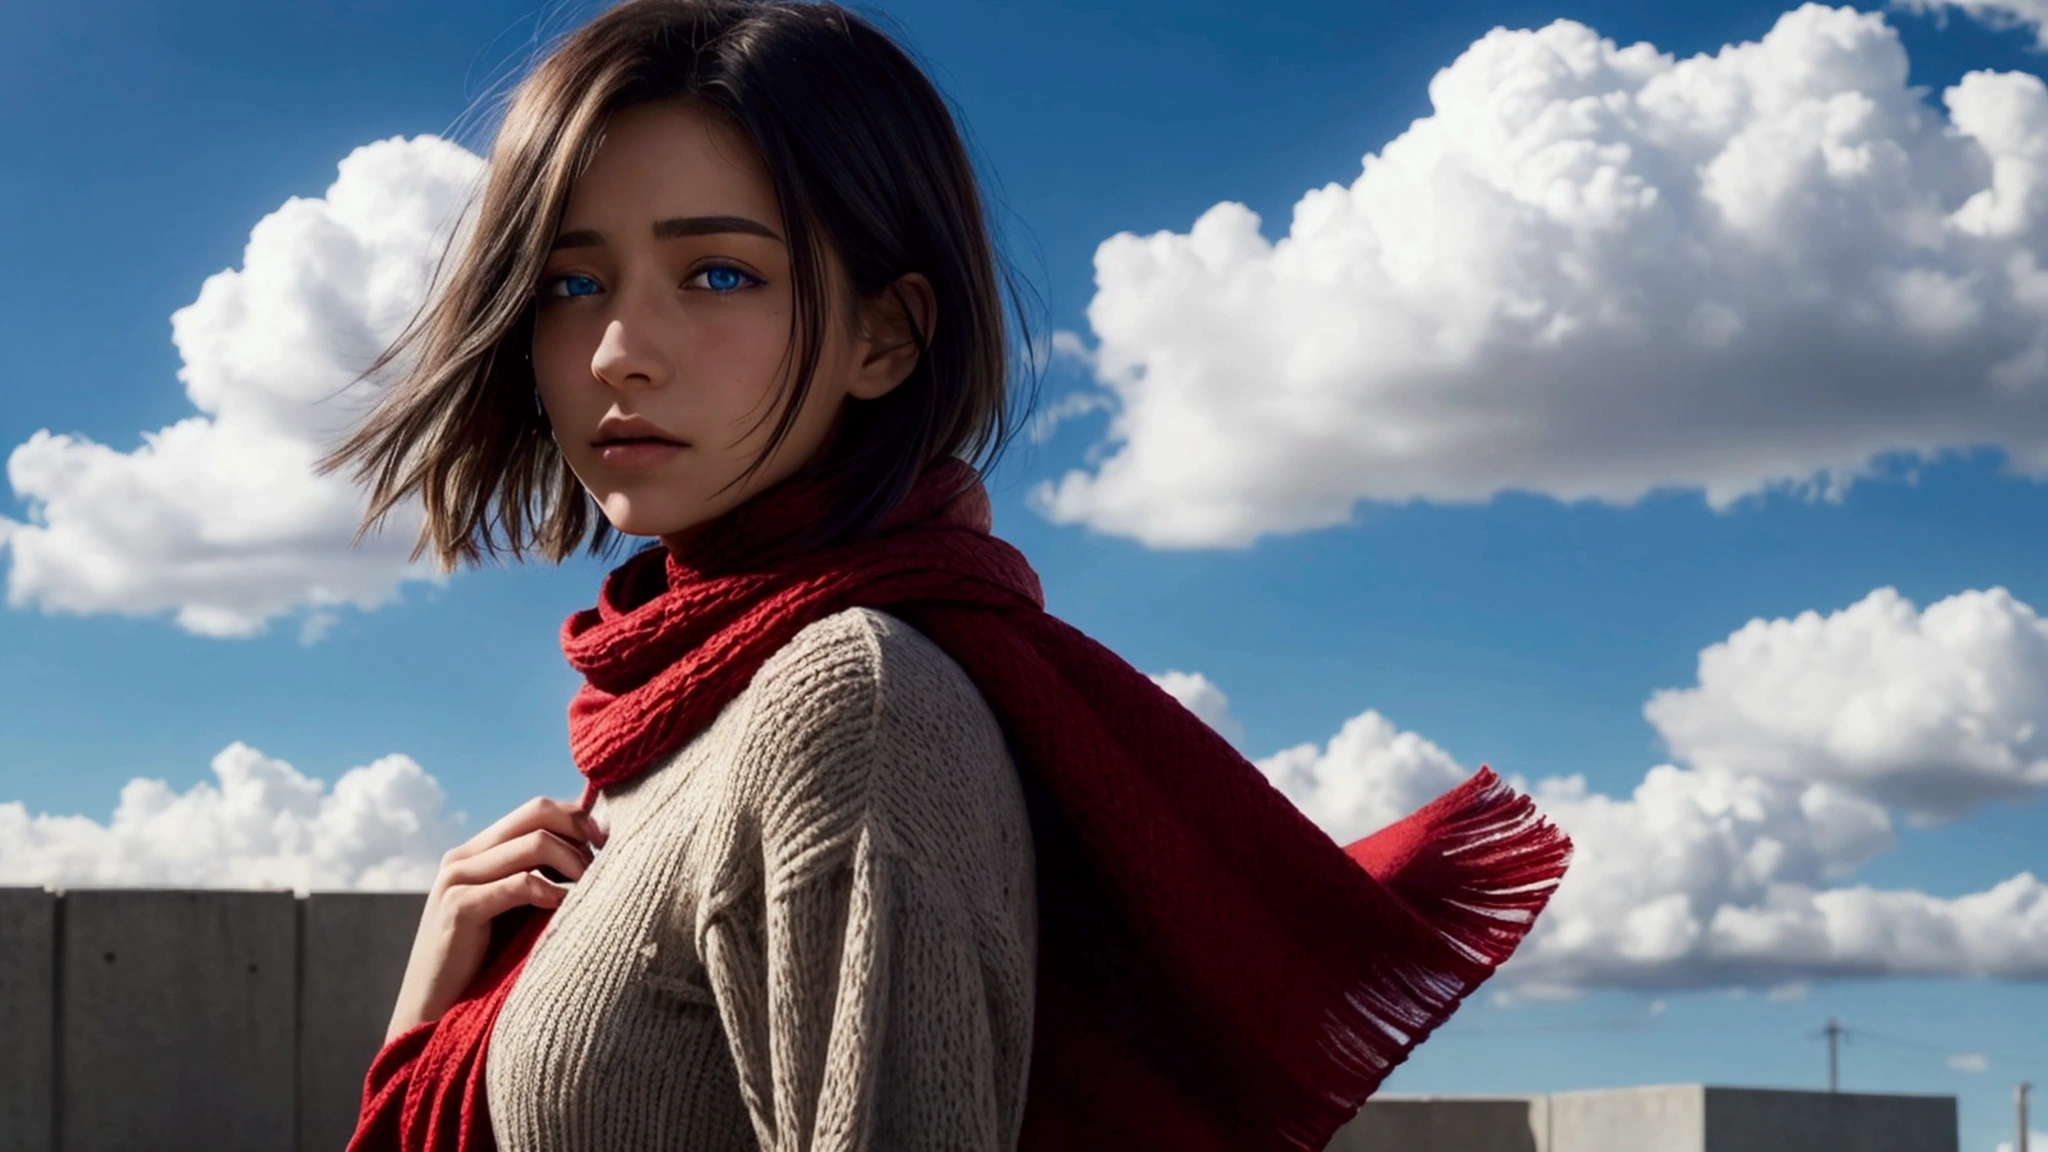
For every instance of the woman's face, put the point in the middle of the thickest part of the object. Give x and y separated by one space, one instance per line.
667 300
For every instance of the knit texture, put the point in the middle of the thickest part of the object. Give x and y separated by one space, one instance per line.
811 929
1214 973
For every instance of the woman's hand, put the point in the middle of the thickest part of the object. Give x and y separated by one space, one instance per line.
496 871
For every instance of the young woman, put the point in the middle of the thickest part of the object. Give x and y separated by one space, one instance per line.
891 859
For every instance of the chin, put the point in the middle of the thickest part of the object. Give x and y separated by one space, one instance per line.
637 519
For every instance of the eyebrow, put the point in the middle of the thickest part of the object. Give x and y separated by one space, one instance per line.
673 229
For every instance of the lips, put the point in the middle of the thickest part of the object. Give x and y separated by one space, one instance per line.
633 430
646 452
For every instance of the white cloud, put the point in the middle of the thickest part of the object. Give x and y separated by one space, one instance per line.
2035 1142
1712 874
1369 775
1699 880
1995 13
1971 1062
1068 346
1046 420
1593 272
218 519
1200 696
1065 347
1936 711
264 825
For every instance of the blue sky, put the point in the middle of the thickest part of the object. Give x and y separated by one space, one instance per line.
1529 447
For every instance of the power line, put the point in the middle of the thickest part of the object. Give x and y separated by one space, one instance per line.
2034 1061
1841 1034
1579 1028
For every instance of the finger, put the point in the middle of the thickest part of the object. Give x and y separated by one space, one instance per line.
561 817
536 849
477 903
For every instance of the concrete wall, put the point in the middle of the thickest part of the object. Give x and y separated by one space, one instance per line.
28 986
1665 1118
224 1021
168 1019
1444 1124
176 1010
353 956
1673 1118
1770 1121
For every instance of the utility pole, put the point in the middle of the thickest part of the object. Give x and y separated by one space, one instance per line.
2019 1099
1834 1031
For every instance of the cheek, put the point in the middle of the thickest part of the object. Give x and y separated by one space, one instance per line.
743 346
741 362
556 349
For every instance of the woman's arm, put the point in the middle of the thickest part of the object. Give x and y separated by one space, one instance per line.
875 973
862 1015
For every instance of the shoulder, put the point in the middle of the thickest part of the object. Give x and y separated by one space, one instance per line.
859 672
865 695
861 718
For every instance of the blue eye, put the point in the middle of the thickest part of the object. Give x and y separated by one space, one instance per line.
724 279
720 279
571 282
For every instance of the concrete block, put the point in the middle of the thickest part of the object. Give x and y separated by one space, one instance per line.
177 1009
1770 1120
1668 1118
28 986
352 953
1441 1124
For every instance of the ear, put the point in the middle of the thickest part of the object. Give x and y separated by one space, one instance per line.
893 321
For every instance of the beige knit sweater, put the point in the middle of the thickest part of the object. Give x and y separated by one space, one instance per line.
814 927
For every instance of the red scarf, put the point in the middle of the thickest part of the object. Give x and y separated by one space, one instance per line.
1215 974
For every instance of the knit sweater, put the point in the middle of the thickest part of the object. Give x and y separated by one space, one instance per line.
814 927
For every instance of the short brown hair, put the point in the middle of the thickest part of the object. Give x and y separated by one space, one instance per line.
863 154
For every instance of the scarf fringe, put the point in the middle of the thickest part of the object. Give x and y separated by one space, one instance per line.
1492 864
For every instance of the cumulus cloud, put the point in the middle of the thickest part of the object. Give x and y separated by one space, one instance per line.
1202 697
1737 866
1936 712
1970 1062
2034 1140
2032 14
262 825
1046 420
1367 776
1704 879
218 519
1593 272
1066 348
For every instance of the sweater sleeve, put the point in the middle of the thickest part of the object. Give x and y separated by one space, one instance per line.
874 974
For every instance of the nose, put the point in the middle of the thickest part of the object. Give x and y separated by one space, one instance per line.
628 355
